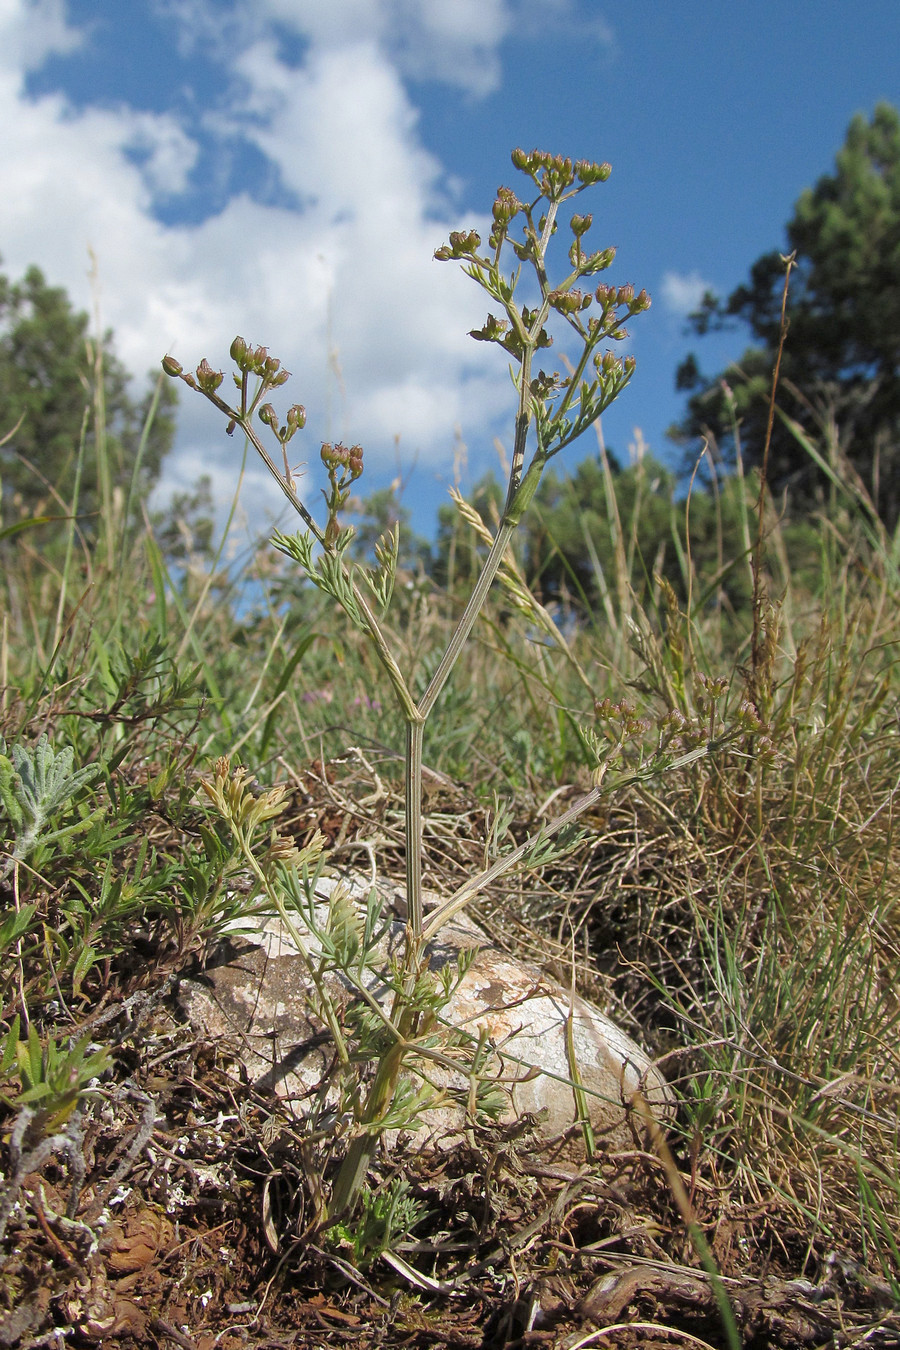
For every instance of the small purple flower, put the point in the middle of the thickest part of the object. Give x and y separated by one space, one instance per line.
318 696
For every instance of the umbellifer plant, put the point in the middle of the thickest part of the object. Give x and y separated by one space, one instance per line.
552 412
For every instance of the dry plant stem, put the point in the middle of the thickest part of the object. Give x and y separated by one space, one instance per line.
689 1218
756 562
630 1327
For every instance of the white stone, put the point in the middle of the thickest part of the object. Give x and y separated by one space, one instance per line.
255 994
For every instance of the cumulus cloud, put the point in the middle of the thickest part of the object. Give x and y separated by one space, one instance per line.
423 39
164 151
34 31
345 275
681 294
334 270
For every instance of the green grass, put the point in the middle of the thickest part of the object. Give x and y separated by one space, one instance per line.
739 911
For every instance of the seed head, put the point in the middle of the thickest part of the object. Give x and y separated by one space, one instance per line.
506 206
569 302
589 172
462 244
207 378
339 457
492 331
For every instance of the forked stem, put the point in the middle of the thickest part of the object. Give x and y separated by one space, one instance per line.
561 413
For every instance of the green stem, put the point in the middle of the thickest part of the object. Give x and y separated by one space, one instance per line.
467 621
325 1000
383 651
415 736
404 1019
361 1151
576 377
270 464
523 416
386 657
460 898
508 524
466 892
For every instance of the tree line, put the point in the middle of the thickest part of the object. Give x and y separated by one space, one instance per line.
839 390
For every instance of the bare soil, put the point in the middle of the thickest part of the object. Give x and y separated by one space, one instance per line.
184 1208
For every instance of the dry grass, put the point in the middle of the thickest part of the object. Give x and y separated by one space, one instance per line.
738 914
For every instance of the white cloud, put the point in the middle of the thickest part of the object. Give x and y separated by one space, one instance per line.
682 294
352 267
344 279
164 151
33 30
456 43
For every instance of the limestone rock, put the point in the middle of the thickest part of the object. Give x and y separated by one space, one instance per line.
254 993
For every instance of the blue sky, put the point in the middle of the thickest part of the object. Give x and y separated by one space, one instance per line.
284 170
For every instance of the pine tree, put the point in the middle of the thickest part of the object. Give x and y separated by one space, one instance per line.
47 377
841 365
